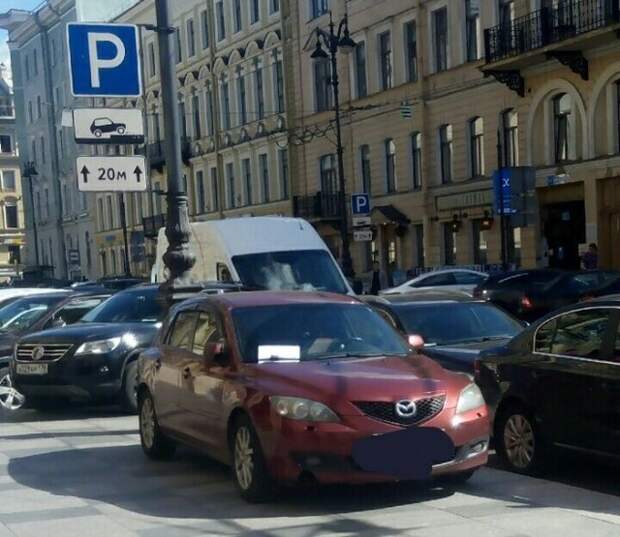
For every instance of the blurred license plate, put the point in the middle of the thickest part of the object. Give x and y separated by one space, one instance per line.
32 369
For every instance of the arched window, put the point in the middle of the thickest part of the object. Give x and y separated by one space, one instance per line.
390 165
445 153
476 147
510 136
562 106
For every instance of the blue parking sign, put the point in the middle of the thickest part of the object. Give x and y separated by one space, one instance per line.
104 60
360 204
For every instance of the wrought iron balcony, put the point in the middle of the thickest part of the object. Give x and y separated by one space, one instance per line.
549 25
155 152
152 225
320 206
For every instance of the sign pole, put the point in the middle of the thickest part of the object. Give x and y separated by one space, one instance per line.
179 259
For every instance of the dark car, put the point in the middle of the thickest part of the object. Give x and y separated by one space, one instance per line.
531 294
95 358
557 385
287 386
610 288
103 125
454 329
33 313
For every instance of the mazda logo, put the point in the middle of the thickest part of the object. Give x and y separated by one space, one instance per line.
405 408
38 353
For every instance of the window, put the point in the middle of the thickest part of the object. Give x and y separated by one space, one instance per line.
182 333
225 105
506 12
221 23
578 333
230 181
416 160
318 8
419 244
179 46
43 149
15 254
279 83
449 244
562 105
322 89
8 181
5 143
10 215
196 112
210 112
510 127
183 118
39 110
110 213
30 116
151 52
440 38
480 243
365 165
34 150
411 51
200 189
472 28
361 87
283 162
243 112
27 67
237 14
207 331
476 147
246 171
204 23
385 60
436 280
191 39
263 164
274 6
47 204
327 166
259 91
215 193
254 11
445 150
35 62
390 165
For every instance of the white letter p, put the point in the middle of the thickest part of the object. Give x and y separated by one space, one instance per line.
97 63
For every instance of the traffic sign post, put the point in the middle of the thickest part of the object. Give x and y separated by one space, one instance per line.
104 60
111 174
108 126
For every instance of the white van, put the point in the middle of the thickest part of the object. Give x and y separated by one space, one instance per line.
260 252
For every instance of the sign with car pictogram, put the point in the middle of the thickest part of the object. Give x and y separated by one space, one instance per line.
111 174
108 126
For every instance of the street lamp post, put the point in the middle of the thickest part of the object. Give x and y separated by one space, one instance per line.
334 41
29 172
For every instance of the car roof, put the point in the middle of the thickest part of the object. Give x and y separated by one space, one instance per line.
421 297
275 298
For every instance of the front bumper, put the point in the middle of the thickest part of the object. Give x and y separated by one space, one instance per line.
326 451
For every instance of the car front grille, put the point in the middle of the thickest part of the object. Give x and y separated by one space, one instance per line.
51 351
386 411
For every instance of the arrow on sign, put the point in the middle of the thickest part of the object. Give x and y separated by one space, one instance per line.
85 171
138 173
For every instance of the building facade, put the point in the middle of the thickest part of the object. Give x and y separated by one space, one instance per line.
11 207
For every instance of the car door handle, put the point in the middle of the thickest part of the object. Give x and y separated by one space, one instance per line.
187 373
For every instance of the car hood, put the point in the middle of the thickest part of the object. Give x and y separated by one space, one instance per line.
80 332
340 381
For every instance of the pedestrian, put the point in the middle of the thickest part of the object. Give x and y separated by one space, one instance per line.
377 279
589 260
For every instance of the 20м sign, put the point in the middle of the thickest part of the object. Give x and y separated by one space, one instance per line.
116 174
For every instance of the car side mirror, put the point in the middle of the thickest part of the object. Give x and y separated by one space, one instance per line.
216 352
416 341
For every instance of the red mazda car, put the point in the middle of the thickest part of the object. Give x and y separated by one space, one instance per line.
296 386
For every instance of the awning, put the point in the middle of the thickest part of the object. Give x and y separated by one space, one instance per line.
388 214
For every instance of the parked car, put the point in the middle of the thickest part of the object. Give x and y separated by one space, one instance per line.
104 125
33 313
440 280
610 288
452 328
291 386
557 385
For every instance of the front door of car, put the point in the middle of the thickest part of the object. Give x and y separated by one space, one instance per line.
577 357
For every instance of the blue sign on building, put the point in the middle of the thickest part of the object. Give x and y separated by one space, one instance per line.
360 204
503 191
104 60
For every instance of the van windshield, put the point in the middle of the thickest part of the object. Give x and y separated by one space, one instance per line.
302 270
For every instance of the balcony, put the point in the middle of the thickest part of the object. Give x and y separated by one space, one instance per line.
562 33
320 206
155 152
152 225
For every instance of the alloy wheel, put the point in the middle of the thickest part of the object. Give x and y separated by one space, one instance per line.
519 441
244 458
147 422
10 398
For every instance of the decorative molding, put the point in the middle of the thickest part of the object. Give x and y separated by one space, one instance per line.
511 78
573 59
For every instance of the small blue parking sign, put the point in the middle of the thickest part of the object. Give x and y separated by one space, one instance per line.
104 60
360 204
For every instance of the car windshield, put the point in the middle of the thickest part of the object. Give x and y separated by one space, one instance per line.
302 270
21 314
128 307
307 332
449 323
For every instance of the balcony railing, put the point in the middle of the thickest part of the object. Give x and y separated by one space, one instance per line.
320 206
155 152
570 18
152 225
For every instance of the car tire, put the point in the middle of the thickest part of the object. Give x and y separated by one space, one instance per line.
7 401
155 444
129 395
120 130
518 442
97 133
250 472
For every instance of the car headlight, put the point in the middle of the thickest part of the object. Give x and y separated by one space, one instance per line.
296 408
107 345
469 399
